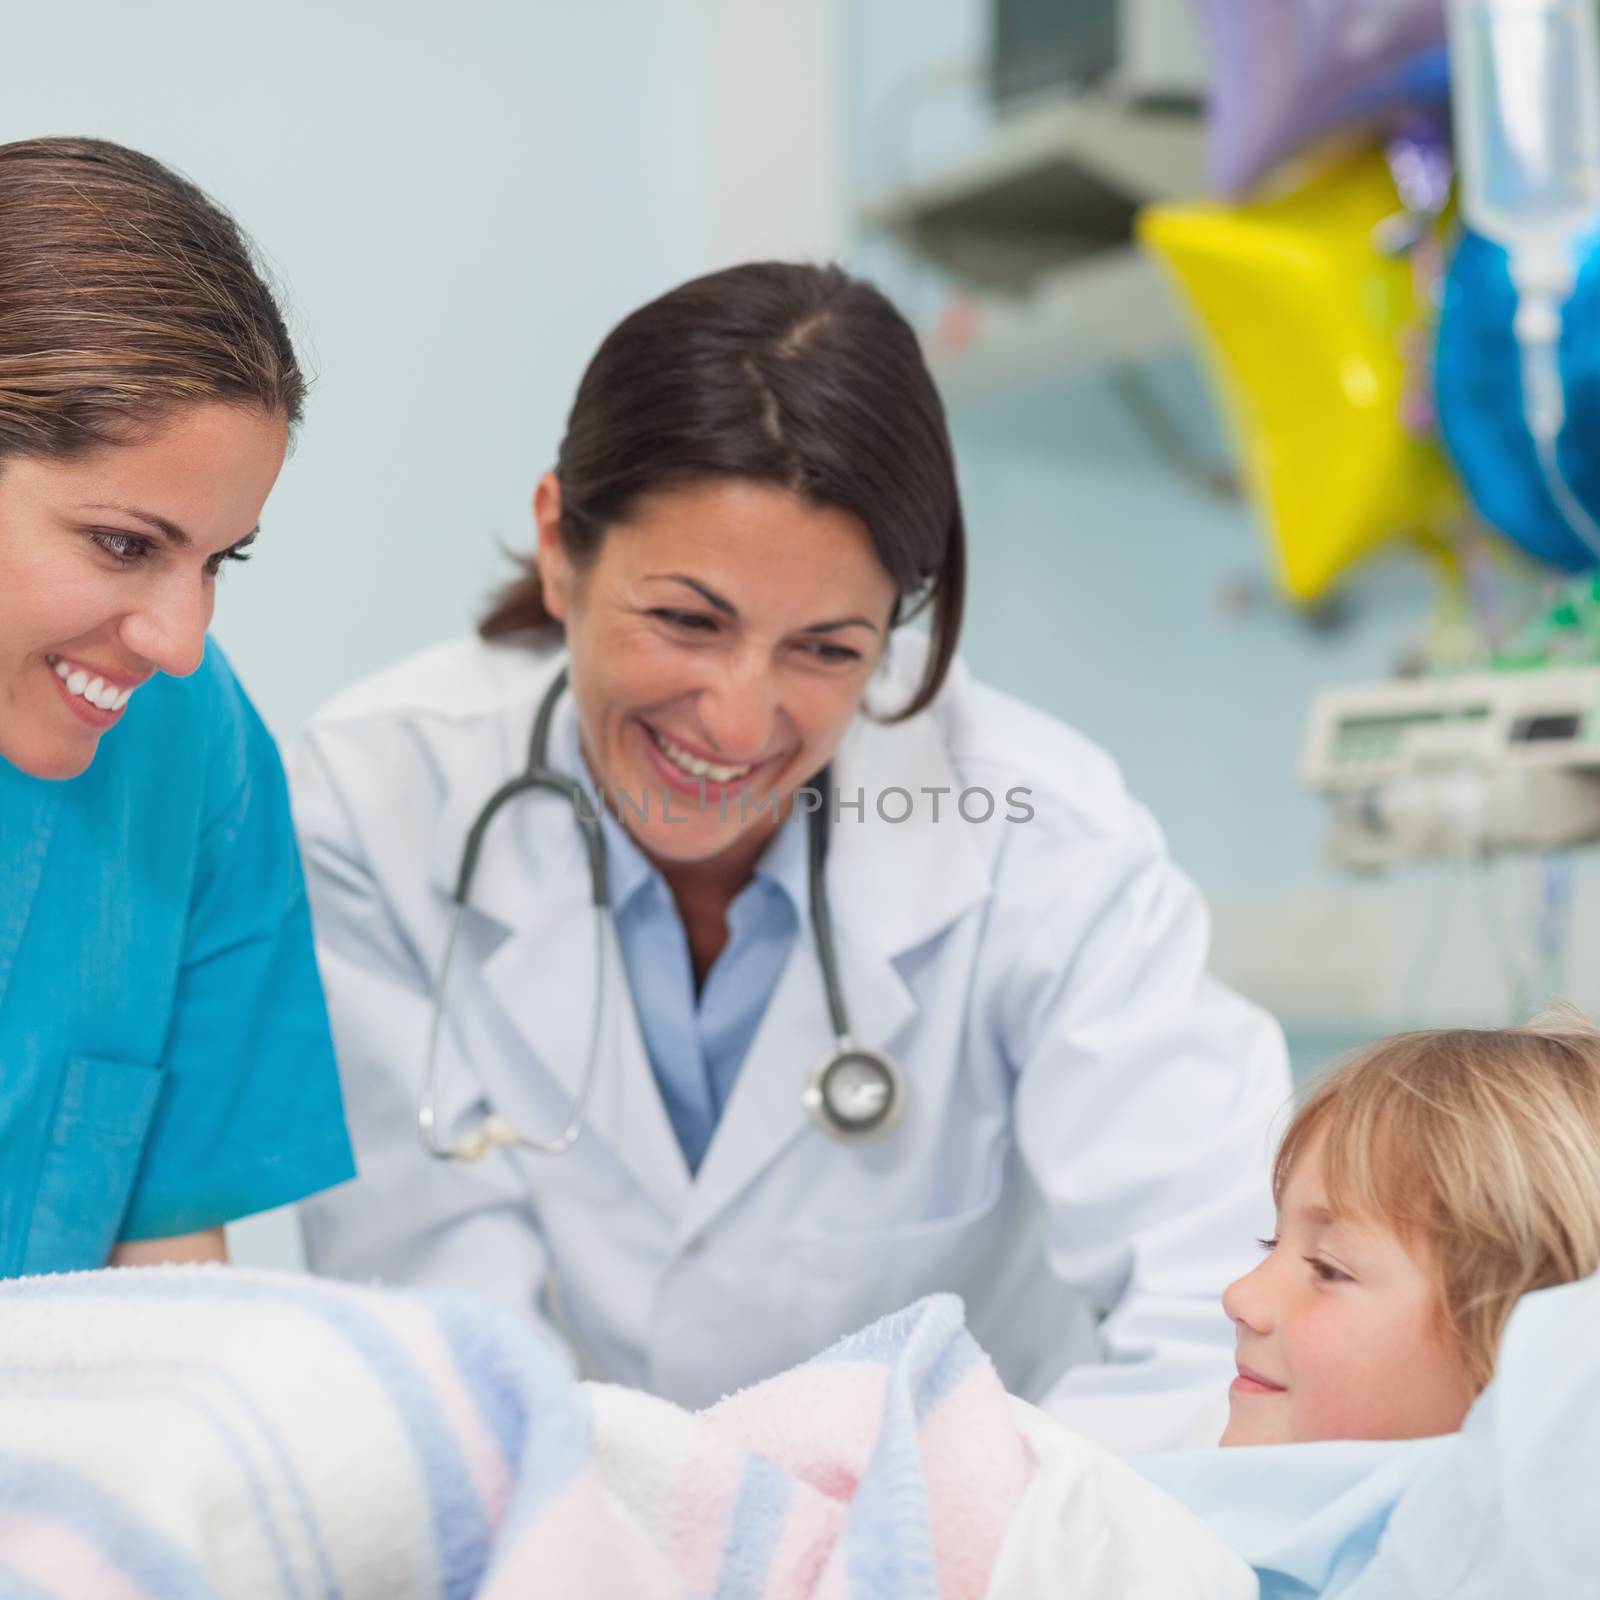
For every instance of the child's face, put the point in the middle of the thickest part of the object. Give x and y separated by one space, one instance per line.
1336 1334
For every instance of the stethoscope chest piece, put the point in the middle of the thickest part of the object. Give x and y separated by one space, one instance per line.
854 1094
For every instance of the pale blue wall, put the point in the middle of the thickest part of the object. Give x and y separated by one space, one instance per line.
460 200
1098 586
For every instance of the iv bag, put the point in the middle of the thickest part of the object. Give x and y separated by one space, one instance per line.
1526 83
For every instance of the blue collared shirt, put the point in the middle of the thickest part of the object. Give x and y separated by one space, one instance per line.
697 1044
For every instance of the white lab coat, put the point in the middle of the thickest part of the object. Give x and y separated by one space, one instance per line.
1087 1107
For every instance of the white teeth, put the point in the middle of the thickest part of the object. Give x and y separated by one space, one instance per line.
101 695
693 765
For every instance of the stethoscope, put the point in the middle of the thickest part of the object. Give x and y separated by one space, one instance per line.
853 1093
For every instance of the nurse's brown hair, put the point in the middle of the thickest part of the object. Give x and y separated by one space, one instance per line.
125 295
775 373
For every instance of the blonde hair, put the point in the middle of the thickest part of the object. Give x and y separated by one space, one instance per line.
1480 1148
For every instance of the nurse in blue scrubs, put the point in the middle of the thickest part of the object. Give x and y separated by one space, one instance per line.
165 1064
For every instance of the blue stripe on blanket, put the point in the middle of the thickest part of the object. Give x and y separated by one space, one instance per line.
133 1375
459 1529
929 1338
126 1541
476 1333
758 1518
267 1434
545 1453
556 1448
889 1538
14 1588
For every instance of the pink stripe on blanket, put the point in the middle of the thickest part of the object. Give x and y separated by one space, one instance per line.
677 1479
57 1560
976 1468
834 1583
822 1422
841 1405
415 1331
811 1533
708 1496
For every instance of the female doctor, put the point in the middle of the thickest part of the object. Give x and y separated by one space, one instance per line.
165 1064
808 975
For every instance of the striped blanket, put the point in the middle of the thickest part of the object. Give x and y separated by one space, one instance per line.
176 1432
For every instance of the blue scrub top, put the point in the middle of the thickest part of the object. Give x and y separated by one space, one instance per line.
165 1062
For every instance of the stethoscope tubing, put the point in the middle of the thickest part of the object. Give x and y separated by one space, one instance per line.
884 1084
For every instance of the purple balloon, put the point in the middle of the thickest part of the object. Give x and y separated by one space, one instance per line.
1286 72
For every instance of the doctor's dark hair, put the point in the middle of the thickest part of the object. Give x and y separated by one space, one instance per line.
125 295
799 376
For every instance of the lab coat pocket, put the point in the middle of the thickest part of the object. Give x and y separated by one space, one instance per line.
860 1275
96 1140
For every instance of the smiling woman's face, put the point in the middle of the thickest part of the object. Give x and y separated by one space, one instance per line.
720 643
108 569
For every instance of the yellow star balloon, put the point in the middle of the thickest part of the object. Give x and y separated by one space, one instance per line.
1305 323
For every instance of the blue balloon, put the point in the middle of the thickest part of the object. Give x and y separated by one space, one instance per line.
1478 381
1425 79
1421 81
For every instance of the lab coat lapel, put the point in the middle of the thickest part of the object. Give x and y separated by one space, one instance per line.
545 978
530 930
892 887
30 808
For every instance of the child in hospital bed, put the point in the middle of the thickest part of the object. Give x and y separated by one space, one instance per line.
1421 1190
